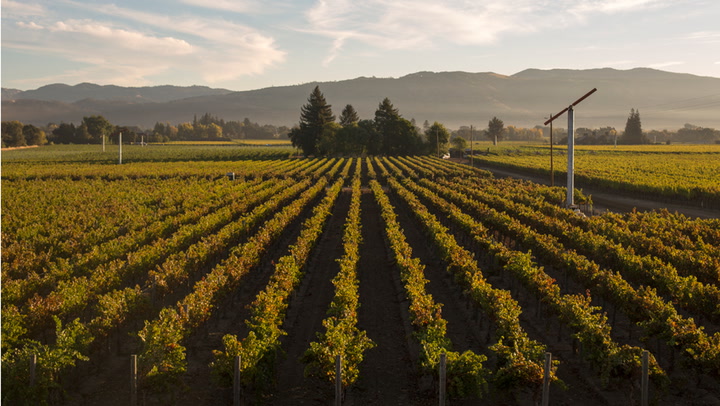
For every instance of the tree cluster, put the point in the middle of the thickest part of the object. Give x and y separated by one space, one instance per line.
597 136
91 131
17 134
388 133
212 128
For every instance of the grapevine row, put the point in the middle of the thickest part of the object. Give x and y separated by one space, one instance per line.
655 316
520 359
590 327
342 336
259 348
701 298
465 371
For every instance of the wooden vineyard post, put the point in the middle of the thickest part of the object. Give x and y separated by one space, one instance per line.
546 380
133 380
338 380
443 379
33 366
644 379
236 382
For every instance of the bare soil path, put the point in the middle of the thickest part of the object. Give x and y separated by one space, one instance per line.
304 319
388 374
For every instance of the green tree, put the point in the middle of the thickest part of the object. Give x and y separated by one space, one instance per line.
437 137
97 127
633 129
82 135
328 143
372 140
495 130
459 143
353 139
398 136
12 134
313 119
64 134
185 131
214 131
349 116
34 135
129 135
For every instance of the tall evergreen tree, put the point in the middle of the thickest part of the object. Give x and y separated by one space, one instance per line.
495 130
313 117
633 129
398 136
349 116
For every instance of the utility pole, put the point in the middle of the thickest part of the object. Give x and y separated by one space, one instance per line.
472 163
571 146
552 169
437 137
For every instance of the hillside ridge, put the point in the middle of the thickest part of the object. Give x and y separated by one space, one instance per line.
665 100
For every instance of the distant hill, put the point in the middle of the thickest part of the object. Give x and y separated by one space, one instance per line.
9 94
665 100
71 94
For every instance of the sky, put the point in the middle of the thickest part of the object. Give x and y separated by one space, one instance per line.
253 44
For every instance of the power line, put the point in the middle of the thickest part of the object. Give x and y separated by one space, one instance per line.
677 105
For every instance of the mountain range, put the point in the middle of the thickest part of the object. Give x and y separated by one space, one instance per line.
665 100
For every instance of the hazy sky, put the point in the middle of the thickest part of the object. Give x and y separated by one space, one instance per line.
251 44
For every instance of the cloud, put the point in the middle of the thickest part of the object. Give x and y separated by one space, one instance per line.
229 50
662 65
31 25
427 24
114 38
618 63
201 50
704 36
612 6
227 5
16 9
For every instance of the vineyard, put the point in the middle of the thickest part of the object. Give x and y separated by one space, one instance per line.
674 173
388 262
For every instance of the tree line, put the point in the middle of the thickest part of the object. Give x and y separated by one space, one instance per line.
92 129
212 128
387 134
318 133
17 134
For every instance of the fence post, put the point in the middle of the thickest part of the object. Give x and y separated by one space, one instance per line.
33 365
338 380
443 378
546 380
644 380
236 382
133 380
